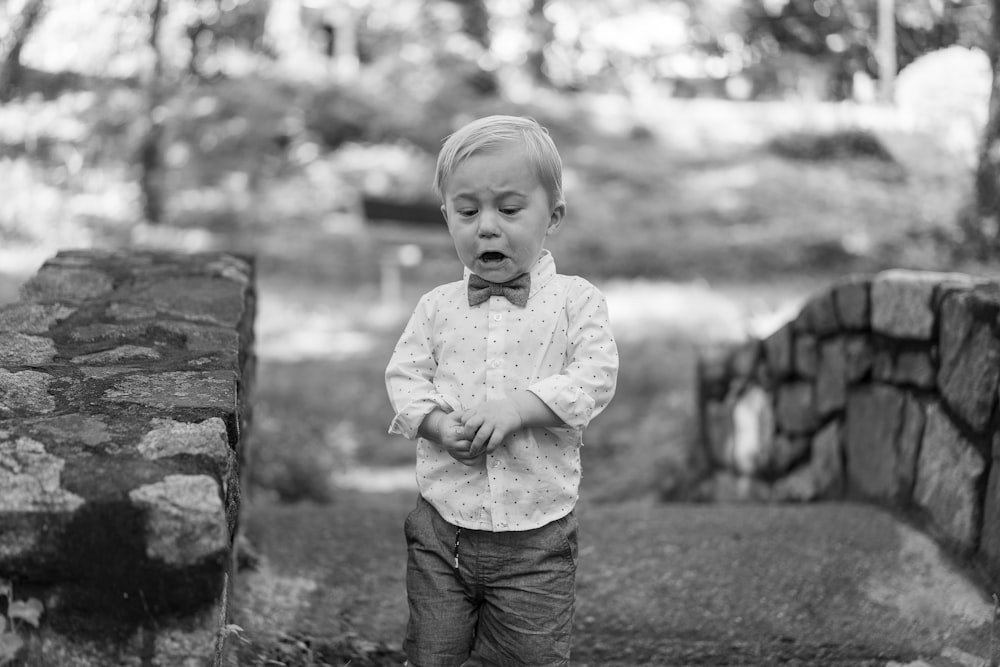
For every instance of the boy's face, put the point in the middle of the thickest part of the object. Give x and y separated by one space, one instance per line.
498 213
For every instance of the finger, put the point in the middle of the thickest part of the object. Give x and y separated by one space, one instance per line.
472 421
482 439
468 432
496 439
461 446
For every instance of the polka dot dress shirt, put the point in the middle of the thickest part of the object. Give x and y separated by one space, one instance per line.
453 356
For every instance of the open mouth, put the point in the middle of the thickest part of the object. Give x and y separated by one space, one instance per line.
492 257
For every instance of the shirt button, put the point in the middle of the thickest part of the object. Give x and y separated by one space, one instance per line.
497 317
496 363
496 463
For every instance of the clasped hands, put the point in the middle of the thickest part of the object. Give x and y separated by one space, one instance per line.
469 435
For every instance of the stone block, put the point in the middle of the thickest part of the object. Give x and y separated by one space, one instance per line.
25 393
795 408
908 443
822 476
831 377
177 389
31 478
989 544
858 353
874 417
753 429
851 299
905 367
65 283
117 355
782 454
194 299
902 303
23 350
949 473
778 352
109 333
806 355
970 355
185 519
207 440
32 318
821 315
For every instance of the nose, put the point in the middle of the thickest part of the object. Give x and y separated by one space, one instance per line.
488 224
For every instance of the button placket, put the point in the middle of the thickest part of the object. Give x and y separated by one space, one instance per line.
495 342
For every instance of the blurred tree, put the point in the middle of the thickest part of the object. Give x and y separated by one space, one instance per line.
986 207
843 34
12 43
151 180
214 26
476 25
541 32
475 20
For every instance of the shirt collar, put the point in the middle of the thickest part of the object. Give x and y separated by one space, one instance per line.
542 271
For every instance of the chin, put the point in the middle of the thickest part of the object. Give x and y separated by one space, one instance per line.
498 274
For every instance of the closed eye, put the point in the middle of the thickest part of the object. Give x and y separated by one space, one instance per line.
510 210
467 212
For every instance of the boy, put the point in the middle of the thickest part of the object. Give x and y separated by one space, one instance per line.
496 376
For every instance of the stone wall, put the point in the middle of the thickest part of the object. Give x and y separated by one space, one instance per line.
124 401
883 388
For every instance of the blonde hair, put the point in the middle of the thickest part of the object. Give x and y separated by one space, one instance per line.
492 132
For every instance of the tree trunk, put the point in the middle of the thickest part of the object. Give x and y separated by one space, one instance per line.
987 205
10 68
540 30
151 179
475 20
985 213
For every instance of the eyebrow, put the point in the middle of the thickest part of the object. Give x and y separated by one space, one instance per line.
501 194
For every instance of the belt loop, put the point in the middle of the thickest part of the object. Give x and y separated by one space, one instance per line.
458 536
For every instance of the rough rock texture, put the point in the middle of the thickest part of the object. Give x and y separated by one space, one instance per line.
902 304
948 478
852 301
970 355
990 538
874 416
124 382
893 380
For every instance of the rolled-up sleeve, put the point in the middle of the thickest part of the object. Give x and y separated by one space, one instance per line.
409 376
587 383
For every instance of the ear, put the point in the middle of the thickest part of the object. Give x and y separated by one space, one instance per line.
556 217
444 212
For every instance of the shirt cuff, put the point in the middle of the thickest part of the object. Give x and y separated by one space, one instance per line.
407 421
570 403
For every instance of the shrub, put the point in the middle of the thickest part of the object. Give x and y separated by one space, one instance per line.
844 144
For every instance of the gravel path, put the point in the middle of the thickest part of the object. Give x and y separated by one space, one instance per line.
827 584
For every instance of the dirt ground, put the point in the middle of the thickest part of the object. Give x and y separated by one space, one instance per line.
658 584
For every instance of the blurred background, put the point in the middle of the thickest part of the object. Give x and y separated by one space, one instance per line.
723 158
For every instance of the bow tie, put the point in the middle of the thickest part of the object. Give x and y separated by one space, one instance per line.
515 291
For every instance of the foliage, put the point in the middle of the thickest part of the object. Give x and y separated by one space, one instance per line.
842 144
19 614
843 34
301 650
